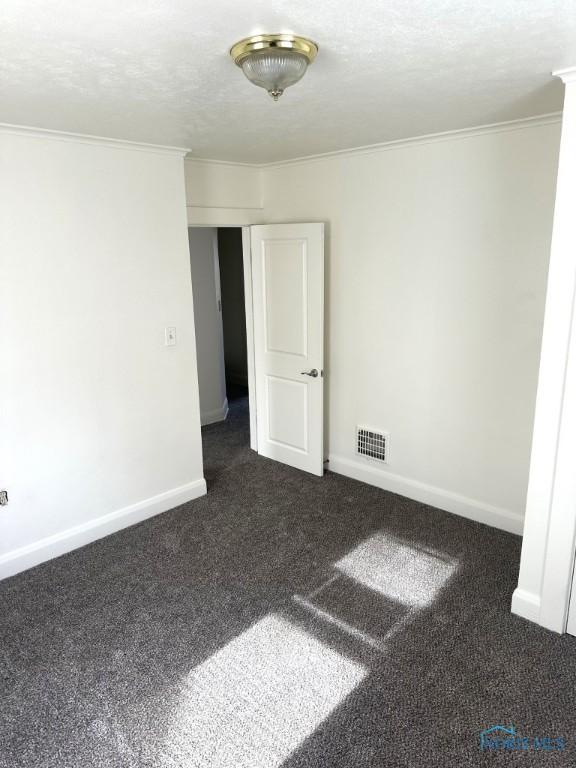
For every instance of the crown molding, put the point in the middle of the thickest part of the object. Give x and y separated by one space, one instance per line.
233 163
431 138
566 75
83 138
225 207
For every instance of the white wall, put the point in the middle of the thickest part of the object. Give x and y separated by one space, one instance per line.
208 324
99 424
223 194
437 255
436 270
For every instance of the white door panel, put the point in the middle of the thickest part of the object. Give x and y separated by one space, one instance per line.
571 626
288 297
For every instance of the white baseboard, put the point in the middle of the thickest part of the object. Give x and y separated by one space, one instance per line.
53 546
472 509
211 417
526 605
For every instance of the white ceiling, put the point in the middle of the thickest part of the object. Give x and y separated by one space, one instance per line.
159 71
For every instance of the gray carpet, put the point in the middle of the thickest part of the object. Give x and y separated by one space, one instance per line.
283 620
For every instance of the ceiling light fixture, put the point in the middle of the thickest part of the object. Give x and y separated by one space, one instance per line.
274 62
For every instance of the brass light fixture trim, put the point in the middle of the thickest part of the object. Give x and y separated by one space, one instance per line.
274 61
248 45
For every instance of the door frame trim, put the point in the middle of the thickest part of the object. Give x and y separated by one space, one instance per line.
249 311
250 351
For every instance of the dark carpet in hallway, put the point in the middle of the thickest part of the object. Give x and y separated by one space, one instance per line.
282 620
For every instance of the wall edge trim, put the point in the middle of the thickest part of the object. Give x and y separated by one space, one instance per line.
82 138
567 75
535 121
526 605
26 557
430 138
218 414
472 509
85 138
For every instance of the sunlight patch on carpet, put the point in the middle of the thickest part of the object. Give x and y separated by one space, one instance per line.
410 575
252 703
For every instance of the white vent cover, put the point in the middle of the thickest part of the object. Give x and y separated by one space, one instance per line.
372 443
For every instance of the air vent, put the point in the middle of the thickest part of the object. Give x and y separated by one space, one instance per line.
372 443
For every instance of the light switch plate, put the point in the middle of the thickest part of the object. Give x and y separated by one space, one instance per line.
170 336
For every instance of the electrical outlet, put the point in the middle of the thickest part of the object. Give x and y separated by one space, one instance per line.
3 498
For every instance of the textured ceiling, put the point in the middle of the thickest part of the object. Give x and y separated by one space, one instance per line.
159 71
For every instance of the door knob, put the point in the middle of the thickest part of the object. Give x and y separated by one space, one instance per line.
313 373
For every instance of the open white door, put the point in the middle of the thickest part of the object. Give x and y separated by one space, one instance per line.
288 300
571 624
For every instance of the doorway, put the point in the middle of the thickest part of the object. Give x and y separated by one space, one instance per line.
218 287
233 312
259 321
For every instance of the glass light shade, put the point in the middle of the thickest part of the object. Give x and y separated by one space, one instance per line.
275 69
